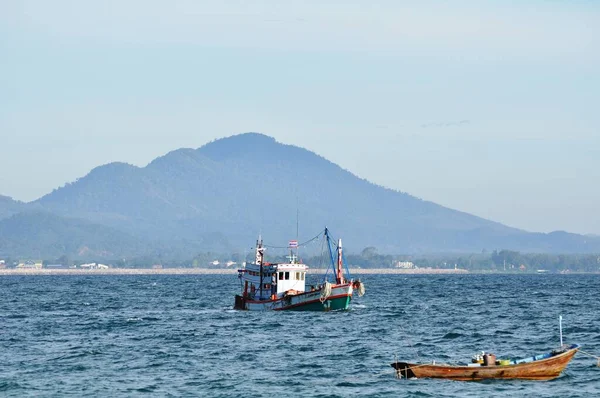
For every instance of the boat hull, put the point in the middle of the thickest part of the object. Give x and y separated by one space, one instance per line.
339 299
544 369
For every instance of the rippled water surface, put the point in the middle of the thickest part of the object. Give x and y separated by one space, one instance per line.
178 336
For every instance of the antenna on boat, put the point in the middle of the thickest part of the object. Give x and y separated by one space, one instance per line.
560 329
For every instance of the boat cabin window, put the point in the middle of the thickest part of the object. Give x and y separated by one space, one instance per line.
302 274
287 275
281 276
297 276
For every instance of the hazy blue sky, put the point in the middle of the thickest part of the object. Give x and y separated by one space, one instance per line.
489 107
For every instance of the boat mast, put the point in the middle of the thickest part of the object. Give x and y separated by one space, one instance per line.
260 253
339 275
297 218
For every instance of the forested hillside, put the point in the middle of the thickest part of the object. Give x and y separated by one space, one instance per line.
219 197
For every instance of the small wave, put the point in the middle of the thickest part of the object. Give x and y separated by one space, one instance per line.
350 384
16 316
359 352
63 358
542 294
420 344
111 307
452 335
150 388
576 329
309 366
76 368
245 357
155 365
6 386
274 325
419 393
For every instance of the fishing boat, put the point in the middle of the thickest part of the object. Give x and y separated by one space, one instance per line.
282 286
545 366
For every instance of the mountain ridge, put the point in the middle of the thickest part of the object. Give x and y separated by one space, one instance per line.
235 187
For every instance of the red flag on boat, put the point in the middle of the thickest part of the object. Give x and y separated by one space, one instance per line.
293 243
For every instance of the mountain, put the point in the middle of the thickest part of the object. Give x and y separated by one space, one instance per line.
220 196
8 207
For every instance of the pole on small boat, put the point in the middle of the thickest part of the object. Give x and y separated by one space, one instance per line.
580 350
560 329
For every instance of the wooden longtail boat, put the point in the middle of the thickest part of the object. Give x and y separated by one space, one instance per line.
540 367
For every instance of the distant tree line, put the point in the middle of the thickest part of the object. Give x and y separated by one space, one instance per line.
496 261
503 260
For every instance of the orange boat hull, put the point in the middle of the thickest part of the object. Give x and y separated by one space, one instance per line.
544 369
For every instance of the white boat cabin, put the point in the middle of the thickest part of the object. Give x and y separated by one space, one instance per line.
272 281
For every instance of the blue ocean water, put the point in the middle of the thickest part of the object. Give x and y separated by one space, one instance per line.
177 335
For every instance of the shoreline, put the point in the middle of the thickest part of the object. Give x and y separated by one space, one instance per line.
223 271
208 271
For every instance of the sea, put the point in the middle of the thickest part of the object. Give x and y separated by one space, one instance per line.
178 336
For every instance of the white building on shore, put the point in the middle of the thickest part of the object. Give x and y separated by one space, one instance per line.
405 265
94 266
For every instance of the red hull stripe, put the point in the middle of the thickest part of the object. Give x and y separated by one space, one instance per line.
301 294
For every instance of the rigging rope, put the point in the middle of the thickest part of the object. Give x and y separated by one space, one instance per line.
322 260
299 245
346 266
334 241
327 241
591 355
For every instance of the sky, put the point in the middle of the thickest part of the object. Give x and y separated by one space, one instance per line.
488 107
